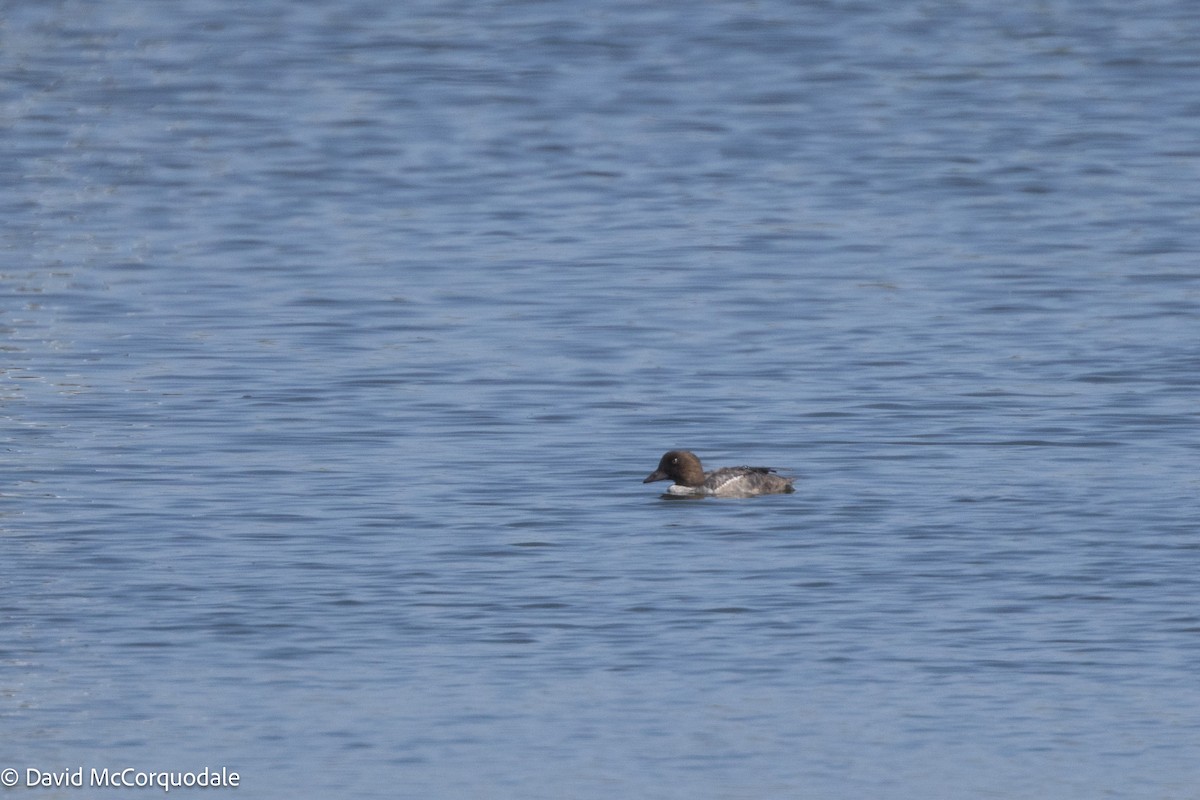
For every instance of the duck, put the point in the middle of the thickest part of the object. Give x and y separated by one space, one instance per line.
690 480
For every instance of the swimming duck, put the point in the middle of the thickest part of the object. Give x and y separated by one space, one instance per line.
690 479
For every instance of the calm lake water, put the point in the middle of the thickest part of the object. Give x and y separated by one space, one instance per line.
337 339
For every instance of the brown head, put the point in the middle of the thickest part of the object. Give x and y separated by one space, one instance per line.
681 466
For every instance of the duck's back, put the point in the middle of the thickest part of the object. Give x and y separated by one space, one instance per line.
745 482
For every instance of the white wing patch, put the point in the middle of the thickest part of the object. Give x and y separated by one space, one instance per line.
730 484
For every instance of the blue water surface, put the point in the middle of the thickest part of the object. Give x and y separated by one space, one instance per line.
338 338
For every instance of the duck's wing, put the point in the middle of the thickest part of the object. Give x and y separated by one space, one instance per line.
747 482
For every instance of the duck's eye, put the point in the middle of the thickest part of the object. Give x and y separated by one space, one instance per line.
674 460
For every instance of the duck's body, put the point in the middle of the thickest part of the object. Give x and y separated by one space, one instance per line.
690 479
